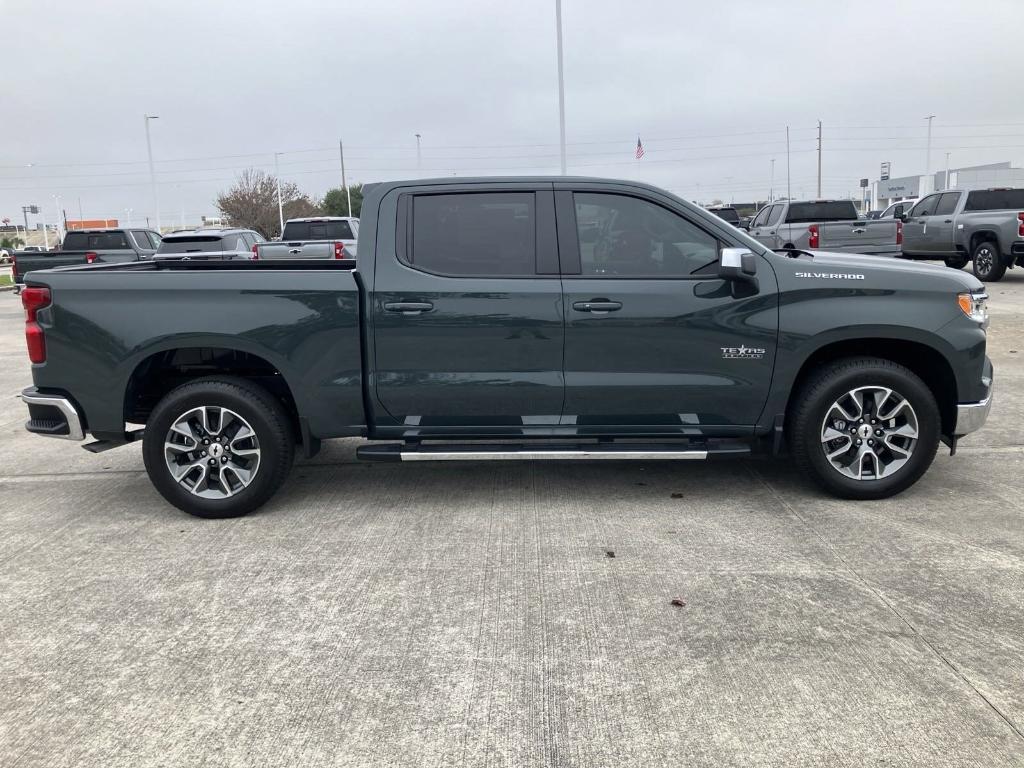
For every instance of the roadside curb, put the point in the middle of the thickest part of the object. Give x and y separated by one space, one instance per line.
6 288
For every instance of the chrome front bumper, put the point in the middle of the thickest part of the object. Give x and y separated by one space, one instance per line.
53 416
971 416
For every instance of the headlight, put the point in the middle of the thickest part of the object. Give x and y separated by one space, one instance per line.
975 306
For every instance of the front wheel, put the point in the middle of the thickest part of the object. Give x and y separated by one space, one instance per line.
218 448
864 428
988 265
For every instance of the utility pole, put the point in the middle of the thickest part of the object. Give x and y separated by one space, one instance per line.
928 158
789 193
60 234
947 170
152 172
80 216
419 155
561 86
46 237
771 183
344 184
819 159
280 205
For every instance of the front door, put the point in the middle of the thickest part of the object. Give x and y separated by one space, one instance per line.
654 340
916 238
468 332
940 226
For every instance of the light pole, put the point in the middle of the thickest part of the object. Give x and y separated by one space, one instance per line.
60 218
928 158
280 205
771 183
129 212
561 86
419 155
152 171
947 170
344 183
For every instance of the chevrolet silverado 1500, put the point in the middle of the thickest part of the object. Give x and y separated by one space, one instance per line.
530 318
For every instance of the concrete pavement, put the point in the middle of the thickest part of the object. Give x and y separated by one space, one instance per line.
470 614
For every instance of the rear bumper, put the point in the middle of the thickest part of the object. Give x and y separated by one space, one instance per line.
52 416
970 417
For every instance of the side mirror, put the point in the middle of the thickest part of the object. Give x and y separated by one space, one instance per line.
899 214
737 264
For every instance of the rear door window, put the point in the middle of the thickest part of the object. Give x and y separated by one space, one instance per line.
774 215
485 234
142 240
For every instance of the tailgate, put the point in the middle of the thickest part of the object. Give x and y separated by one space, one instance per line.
313 249
877 236
29 261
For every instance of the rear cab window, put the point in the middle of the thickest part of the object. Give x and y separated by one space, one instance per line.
96 241
317 230
995 200
810 213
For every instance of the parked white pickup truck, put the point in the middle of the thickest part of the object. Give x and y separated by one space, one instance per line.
826 225
317 237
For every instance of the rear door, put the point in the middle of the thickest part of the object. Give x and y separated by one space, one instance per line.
467 312
655 342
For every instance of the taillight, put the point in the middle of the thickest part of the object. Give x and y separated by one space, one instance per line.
33 299
255 252
1020 226
813 239
90 258
339 251
899 232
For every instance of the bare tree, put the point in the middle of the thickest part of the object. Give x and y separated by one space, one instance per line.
252 202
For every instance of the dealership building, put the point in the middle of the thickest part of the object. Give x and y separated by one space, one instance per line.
892 190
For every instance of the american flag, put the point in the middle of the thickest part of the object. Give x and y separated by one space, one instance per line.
639 148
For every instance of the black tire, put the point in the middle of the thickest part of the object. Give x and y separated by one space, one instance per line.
824 387
267 418
957 262
987 263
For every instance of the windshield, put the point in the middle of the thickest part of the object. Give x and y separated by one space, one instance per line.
194 244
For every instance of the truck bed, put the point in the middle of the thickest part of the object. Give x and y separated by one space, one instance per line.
110 324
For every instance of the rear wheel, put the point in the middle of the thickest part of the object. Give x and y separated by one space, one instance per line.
957 262
864 428
988 265
218 448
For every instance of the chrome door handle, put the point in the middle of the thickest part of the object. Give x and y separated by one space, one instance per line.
948 221
597 306
858 231
408 307
295 250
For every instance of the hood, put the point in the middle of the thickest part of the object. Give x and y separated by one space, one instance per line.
879 265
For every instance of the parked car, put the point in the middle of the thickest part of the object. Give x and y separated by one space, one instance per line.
34 248
6 257
726 213
983 226
319 237
609 316
207 244
826 225
86 246
890 211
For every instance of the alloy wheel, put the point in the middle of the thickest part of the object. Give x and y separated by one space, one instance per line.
212 452
869 433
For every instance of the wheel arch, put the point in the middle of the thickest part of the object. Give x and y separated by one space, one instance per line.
924 360
159 371
983 236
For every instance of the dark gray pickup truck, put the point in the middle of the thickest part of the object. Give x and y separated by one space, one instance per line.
531 318
88 246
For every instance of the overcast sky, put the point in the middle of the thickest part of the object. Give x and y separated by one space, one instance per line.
709 87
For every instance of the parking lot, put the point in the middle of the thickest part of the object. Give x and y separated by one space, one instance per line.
514 614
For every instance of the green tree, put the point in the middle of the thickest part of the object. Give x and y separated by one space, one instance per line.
336 204
11 243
